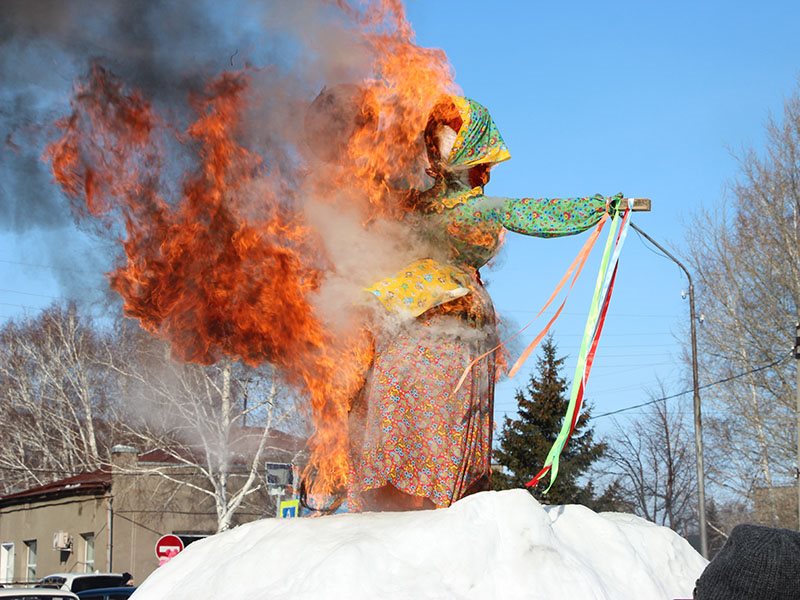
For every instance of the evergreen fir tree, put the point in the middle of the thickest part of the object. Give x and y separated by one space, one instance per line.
525 441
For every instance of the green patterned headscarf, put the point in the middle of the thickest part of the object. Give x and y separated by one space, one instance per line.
478 141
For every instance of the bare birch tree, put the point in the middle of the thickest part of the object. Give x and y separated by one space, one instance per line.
653 461
215 425
54 398
746 256
70 390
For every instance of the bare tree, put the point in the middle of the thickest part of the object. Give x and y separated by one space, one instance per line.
70 389
54 396
215 425
653 461
746 255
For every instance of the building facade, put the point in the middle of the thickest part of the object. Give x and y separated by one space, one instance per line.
59 527
109 520
776 506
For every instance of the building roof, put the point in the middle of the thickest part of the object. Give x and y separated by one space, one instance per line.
281 445
91 482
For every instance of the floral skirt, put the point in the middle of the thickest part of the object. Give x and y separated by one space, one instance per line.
410 427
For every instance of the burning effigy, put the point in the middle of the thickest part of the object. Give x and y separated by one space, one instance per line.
341 242
421 431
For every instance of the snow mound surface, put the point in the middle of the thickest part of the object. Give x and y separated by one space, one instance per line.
490 545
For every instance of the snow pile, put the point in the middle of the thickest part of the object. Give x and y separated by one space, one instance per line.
490 545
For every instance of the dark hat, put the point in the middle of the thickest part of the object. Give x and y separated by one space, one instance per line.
756 563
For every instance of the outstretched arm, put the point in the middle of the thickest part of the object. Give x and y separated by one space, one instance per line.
551 217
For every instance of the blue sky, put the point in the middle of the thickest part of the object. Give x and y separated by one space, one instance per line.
648 98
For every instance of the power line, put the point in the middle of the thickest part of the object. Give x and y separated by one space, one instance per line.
29 294
50 267
627 364
650 247
702 387
636 354
574 314
22 305
611 334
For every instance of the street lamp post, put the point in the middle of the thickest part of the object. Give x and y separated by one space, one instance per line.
698 422
797 417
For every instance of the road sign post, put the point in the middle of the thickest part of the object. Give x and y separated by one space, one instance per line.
167 547
289 509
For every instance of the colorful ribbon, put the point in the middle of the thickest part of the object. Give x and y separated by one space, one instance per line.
576 267
601 298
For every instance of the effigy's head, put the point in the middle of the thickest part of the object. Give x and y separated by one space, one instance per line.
335 115
462 137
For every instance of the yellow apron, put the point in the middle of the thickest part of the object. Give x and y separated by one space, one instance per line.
420 286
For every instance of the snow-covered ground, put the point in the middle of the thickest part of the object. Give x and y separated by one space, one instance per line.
490 545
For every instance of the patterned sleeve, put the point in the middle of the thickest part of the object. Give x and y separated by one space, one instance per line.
553 217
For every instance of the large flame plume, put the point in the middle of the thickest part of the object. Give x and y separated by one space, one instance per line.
220 258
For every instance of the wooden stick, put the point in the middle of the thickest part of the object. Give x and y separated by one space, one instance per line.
640 204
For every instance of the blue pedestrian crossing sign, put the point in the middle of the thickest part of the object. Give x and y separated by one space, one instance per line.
289 508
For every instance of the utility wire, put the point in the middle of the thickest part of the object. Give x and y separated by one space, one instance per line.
49 267
29 294
702 387
576 313
22 305
650 247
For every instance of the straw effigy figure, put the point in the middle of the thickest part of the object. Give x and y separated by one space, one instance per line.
418 439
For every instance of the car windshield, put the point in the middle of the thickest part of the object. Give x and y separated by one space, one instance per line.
96 581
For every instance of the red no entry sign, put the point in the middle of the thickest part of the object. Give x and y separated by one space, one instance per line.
168 546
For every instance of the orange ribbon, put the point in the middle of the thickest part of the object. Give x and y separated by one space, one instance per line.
576 266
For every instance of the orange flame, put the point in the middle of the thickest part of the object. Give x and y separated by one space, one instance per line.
215 277
408 81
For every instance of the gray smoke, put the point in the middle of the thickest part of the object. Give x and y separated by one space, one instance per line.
167 49
46 44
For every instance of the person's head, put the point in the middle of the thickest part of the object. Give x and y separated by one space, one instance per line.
756 563
462 140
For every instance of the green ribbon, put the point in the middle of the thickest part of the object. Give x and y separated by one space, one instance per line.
588 334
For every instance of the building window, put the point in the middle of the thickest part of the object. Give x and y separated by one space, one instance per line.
7 562
88 552
30 563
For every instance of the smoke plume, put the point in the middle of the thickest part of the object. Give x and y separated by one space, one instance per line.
253 162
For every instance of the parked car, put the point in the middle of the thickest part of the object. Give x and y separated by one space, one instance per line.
111 593
35 594
78 582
